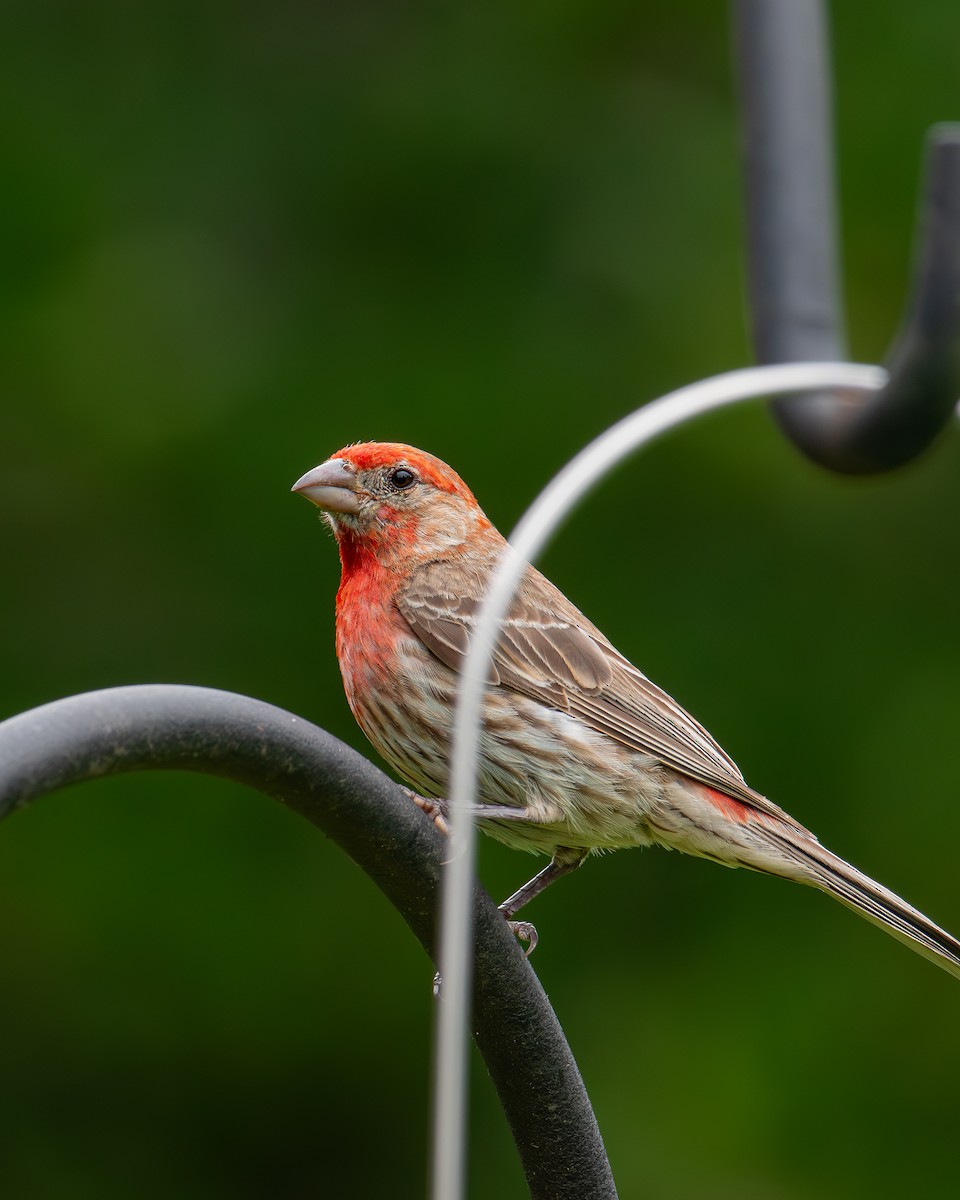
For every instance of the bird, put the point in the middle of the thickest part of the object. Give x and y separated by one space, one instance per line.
579 752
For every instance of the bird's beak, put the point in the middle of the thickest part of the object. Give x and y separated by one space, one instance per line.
331 486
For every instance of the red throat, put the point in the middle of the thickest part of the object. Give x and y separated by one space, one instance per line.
371 550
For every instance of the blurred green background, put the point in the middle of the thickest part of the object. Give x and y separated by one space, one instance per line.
236 237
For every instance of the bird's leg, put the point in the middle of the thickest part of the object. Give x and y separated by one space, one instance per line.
563 862
439 811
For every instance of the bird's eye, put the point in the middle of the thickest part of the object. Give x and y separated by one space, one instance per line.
402 478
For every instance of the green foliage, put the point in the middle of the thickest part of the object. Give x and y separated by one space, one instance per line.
235 238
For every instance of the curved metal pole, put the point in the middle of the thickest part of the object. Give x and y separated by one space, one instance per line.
791 244
220 733
567 488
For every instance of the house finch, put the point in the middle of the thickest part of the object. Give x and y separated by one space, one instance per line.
579 751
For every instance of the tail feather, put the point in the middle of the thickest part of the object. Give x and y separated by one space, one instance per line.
703 821
824 870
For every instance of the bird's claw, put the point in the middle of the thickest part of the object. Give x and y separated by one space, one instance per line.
433 808
524 931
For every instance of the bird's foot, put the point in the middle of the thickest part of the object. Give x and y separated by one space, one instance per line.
435 809
525 932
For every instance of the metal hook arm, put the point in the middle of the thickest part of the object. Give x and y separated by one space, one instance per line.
174 727
791 240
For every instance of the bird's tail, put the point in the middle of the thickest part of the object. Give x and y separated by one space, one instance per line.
829 873
706 822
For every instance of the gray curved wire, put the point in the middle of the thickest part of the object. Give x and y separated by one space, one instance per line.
541 519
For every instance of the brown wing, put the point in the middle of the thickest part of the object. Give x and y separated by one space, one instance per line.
549 651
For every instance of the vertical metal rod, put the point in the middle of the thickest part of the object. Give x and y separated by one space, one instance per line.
788 164
796 313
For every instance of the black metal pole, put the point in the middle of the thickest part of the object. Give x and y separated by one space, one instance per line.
158 726
791 247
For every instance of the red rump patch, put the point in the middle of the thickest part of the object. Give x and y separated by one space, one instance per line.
733 810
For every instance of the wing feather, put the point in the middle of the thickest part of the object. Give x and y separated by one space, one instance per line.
549 651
